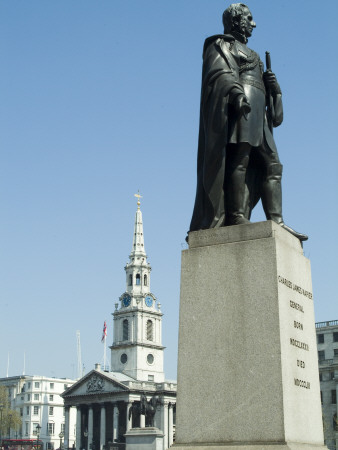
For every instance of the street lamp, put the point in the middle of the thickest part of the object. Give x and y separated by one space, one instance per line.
1 408
10 424
37 429
61 436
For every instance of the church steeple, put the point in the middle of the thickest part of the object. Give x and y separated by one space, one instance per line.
138 249
137 348
138 269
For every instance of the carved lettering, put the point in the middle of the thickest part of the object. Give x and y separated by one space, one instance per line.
295 287
298 325
296 306
300 364
302 383
299 344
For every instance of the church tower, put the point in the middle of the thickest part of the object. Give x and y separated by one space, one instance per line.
137 349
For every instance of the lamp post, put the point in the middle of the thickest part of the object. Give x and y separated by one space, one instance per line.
38 429
1 408
61 436
10 424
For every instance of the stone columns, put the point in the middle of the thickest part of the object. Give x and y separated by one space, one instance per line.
116 423
170 424
142 421
66 438
129 422
78 428
103 427
164 423
90 427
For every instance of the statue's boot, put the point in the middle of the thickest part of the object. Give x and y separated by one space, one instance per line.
236 196
272 199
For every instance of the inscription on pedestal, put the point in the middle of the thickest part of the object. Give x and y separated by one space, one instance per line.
298 325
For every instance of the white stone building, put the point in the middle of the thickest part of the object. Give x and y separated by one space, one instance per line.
327 343
104 399
38 401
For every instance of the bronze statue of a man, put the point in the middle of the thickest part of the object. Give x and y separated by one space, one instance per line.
238 163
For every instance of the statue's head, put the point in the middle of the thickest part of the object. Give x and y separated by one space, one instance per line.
238 18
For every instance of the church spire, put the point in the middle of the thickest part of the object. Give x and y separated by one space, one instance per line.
138 250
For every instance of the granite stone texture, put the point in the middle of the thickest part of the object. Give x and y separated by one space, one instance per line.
149 438
247 363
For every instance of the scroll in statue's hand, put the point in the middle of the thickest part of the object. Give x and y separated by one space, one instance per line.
242 106
271 82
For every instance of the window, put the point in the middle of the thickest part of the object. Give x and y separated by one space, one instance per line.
335 336
29 384
320 377
320 338
125 330
138 279
37 385
145 280
51 397
27 410
50 428
333 396
22 397
36 396
34 428
332 375
150 358
124 358
51 411
51 385
28 397
335 352
150 335
21 412
26 428
50 446
150 377
130 280
321 355
36 410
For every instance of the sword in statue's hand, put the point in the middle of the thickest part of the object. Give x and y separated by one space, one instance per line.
269 96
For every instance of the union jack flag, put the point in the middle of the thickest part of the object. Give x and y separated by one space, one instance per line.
104 332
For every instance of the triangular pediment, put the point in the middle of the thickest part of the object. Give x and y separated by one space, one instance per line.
95 382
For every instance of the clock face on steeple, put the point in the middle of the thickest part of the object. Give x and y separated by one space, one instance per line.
126 300
149 300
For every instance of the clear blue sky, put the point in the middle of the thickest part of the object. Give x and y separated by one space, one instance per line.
100 98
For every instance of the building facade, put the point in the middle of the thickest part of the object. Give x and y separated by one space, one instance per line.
38 401
327 343
107 402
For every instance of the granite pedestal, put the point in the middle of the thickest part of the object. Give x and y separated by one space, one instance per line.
149 438
247 365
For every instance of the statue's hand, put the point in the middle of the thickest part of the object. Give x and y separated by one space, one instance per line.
242 106
271 82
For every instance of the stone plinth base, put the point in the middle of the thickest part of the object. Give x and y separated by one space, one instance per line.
247 362
290 446
149 438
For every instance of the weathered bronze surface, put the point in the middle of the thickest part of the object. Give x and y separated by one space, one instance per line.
238 162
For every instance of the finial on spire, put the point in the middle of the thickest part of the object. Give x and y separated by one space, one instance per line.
138 196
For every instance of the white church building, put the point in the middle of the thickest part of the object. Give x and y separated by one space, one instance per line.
103 399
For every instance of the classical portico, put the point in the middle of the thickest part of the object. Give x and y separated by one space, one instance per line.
104 399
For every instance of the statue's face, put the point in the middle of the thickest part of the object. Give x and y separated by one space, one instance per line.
247 23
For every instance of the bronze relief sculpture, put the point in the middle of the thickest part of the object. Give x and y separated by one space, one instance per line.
238 162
